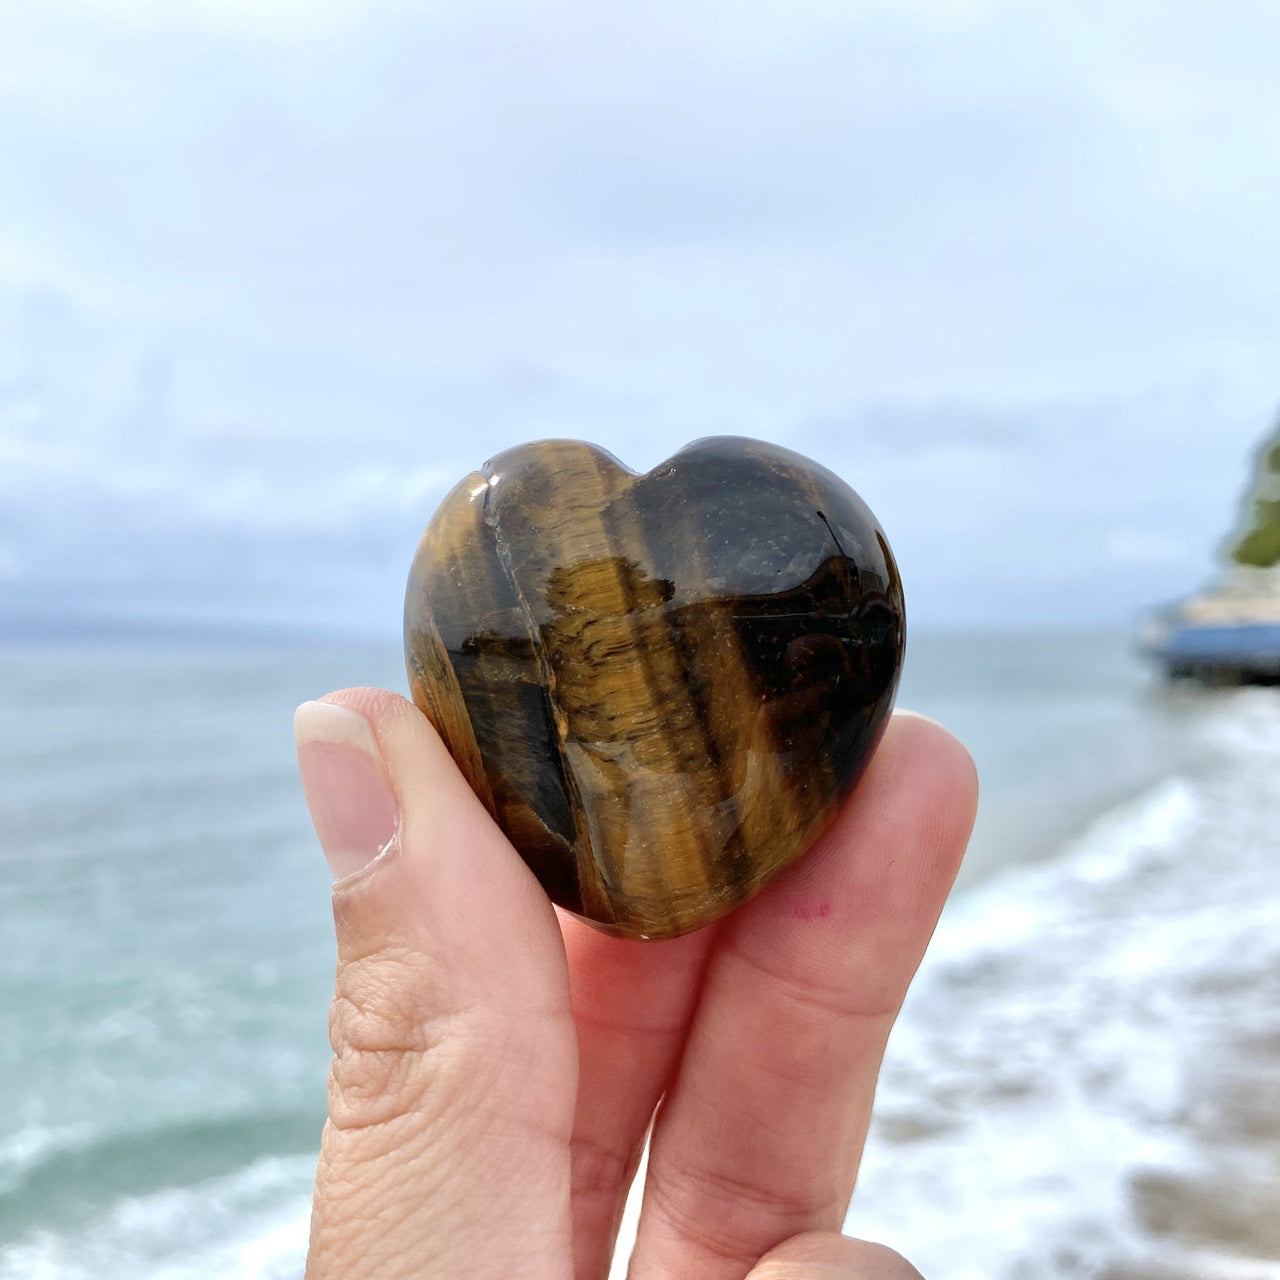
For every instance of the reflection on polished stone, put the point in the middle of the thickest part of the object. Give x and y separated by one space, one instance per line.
661 686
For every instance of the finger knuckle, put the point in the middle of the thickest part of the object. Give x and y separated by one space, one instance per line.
731 1218
600 1169
388 1000
397 1040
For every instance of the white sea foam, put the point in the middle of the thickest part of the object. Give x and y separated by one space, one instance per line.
1081 1081
250 1225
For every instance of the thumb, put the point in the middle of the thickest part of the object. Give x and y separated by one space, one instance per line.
824 1255
454 1074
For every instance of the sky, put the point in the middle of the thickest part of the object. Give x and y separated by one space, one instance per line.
274 275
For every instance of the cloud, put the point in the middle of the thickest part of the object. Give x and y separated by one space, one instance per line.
1143 547
271 276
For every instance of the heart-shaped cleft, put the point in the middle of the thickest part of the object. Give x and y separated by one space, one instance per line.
662 686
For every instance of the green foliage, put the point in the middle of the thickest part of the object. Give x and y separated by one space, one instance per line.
1259 545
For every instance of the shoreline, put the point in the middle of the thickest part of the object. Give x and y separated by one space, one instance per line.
1092 1048
1079 1008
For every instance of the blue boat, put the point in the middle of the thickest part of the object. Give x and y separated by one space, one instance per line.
1217 640
1236 655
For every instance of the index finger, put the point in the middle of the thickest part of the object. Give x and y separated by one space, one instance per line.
760 1137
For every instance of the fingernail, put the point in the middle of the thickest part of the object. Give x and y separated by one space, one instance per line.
345 782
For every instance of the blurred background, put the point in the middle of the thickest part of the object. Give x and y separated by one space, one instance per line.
274 275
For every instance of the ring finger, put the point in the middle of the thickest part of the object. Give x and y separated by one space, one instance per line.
760 1136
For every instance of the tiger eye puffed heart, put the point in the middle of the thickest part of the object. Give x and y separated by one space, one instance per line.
662 686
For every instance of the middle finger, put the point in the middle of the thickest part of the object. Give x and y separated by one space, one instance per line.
632 1002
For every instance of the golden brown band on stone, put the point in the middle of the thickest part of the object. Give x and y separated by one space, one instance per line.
662 686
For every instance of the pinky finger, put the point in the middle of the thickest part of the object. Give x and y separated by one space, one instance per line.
824 1255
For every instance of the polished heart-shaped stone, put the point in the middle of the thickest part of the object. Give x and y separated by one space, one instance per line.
662 686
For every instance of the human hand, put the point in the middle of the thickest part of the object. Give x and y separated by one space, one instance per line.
497 1063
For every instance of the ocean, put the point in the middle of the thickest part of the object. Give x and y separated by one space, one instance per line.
1085 1080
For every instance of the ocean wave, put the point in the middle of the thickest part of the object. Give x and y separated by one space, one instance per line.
32 1145
249 1225
1084 1080
65 1177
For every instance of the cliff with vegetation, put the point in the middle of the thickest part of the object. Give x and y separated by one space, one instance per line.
1258 544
